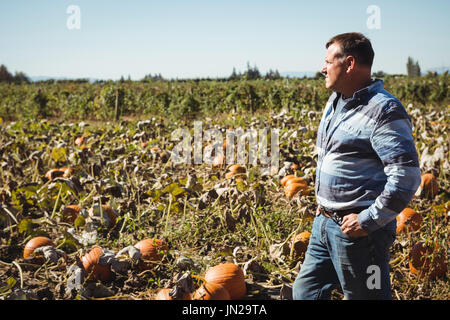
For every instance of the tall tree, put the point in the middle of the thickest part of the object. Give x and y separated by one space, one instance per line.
417 69
413 68
20 77
5 75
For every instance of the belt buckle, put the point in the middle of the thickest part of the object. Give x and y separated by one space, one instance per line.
325 213
337 219
333 216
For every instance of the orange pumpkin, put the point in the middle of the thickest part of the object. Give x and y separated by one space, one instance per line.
230 276
285 179
236 168
218 162
80 140
70 213
298 180
300 244
35 243
163 294
61 172
429 185
425 261
152 249
408 219
211 291
107 213
294 188
95 270
294 166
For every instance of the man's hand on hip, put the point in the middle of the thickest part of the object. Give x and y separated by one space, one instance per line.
351 227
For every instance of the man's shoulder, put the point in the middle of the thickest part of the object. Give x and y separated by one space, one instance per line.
382 103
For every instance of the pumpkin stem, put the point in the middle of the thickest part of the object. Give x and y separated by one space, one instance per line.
199 277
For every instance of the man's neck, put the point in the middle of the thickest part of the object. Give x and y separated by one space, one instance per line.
358 86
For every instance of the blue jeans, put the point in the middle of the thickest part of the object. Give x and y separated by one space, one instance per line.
359 265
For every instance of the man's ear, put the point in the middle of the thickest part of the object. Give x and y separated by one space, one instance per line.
349 64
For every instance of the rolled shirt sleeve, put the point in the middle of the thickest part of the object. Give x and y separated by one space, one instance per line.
393 142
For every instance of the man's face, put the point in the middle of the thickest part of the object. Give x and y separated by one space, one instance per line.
334 68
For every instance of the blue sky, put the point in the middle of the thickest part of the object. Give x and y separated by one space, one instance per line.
197 38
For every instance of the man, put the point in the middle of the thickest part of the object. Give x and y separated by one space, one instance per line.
367 172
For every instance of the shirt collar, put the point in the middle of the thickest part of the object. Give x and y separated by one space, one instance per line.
375 86
371 89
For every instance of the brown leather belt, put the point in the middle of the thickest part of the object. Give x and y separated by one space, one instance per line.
337 215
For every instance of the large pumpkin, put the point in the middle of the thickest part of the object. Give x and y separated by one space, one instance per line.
429 185
285 179
152 249
35 243
408 219
298 180
211 291
230 276
294 188
424 260
95 270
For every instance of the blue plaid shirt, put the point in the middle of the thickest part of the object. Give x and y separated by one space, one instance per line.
367 158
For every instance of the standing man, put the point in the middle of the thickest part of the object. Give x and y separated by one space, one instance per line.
367 172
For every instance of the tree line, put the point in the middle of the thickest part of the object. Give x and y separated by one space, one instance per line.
252 73
18 77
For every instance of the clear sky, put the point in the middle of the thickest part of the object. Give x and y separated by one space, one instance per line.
199 38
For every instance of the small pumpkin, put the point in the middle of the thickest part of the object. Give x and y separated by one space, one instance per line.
298 180
236 168
105 212
429 185
230 276
95 270
70 213
285 179
218 162
300 244
408 219
425 260
294 188
35 243
81 141
58 172
163 294
152 249
211 291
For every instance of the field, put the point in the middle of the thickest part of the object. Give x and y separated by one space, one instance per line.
204 216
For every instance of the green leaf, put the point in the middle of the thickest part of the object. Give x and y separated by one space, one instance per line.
26 226
174 189
241 185
68 245
59 154
10 283
80 221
